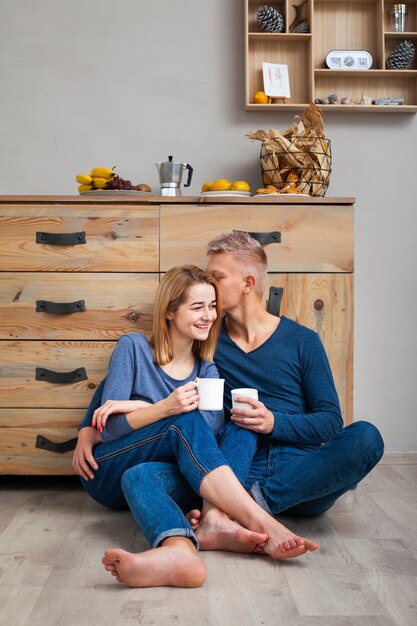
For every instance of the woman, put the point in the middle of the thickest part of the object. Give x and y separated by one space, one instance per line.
136 454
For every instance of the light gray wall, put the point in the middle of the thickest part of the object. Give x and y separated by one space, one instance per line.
128 82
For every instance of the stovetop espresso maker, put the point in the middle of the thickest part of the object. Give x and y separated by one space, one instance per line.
170 175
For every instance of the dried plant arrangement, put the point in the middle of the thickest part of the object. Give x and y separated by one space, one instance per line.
298 160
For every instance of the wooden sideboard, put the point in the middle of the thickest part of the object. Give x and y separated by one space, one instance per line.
78 272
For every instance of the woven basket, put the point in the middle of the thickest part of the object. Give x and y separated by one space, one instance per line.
300 162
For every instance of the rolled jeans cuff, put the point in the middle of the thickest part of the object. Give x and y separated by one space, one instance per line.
176 532
259 498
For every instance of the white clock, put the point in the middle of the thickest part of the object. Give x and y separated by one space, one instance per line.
349 60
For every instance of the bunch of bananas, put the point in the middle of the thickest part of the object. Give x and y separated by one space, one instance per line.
98 178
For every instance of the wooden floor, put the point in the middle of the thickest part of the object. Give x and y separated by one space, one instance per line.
52 537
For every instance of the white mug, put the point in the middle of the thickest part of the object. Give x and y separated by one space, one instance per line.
210 394
251 393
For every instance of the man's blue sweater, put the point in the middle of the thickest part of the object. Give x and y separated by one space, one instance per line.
293 377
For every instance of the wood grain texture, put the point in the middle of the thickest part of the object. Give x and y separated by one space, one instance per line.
324 303
115 304
53 536
313 238
116 240
19 388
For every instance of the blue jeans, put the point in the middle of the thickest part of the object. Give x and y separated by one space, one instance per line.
307 480
157 493
282 479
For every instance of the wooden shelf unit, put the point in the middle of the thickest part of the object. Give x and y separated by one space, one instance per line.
334 25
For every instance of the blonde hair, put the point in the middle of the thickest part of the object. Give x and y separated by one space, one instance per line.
248 253
171 293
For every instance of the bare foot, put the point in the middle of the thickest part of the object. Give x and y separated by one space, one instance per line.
216 531
194 517
175 563
282 543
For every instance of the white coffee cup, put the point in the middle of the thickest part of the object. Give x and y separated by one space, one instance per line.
210 394
249 393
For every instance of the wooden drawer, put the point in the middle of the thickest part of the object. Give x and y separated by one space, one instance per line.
314 238
116 239
20 360
115 304
18 431
324 302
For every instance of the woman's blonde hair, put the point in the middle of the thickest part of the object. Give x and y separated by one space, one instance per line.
171 293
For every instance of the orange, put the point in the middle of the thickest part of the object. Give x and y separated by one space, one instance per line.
206 186
221 184
240 185
260 98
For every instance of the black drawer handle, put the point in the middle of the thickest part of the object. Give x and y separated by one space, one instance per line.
274 301
61 239
59 308
61 378
264 238
46 444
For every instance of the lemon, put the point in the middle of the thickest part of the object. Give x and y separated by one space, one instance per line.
221 184
240 185
206 186
260 98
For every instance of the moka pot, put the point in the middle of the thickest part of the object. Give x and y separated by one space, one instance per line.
170 176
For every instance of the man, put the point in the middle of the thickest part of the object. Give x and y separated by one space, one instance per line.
304 459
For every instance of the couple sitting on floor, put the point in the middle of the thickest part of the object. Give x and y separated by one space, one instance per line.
144 443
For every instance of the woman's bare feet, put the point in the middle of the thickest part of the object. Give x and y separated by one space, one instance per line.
216 529
175 563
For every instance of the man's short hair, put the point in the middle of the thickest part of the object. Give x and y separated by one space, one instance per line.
249 255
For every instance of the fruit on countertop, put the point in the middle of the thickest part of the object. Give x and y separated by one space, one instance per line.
102 178
240 185
102 172
260 98
84 179
84 188
222 184
143 187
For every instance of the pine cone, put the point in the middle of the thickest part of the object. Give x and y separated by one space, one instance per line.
302 27
269 20
402 57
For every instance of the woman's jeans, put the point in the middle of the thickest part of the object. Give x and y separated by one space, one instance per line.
185 439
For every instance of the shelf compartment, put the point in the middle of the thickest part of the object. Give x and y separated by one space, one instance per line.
392 40
394 83
292 52
411 17
253 6
346 26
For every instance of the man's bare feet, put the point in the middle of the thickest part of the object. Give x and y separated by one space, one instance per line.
214 530
175 563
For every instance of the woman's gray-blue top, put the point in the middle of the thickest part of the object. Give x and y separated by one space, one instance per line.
134 375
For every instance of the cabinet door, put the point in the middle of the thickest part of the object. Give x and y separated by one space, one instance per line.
24 381
98 238
324 303
314 238
19 429
35 305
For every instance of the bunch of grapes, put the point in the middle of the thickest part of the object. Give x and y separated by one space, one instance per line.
116 182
